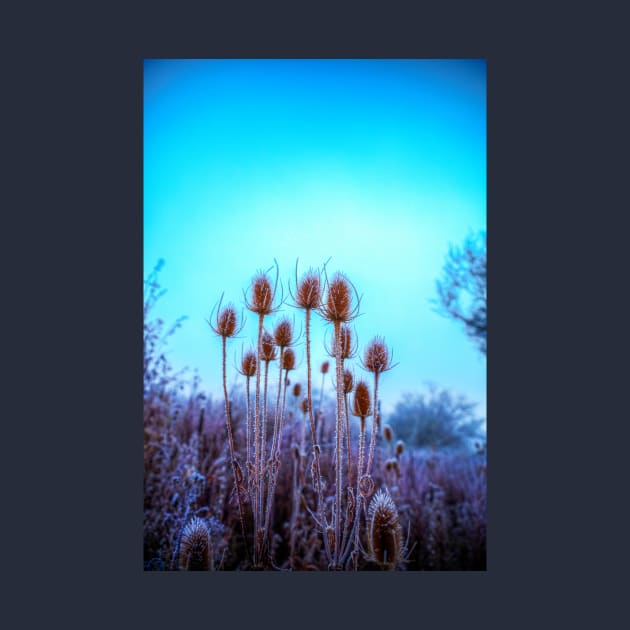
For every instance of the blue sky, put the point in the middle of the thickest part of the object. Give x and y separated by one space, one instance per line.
378 165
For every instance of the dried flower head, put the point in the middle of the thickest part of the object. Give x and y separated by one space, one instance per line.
305 405
268 348
377 357
348 381
400 447
194 546
248 364
226 322
385 544
308 294
297 390
283 333
262 295
325 366
288 359
388 434
338 304
362 402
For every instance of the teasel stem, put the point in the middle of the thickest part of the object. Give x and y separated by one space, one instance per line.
263 445
359 495
272 452
374 424
249 427
228 424
309 393
319 409
258 473
276 418
297 491
348 437
275 463
338 439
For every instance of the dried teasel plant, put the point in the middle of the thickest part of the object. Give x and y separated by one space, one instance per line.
338 308
194 547
307 296
262 301
377 359
226 326
248 370
385 541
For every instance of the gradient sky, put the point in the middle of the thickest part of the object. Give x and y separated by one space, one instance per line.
378 165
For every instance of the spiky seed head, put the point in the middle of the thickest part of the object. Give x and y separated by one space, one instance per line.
338 305
388 433
297 390
262 294
194 546
400 447
377 356
305 405
348 381
385 544
226 321
325 366
268 348
308 294
288 359
362 401
248 364
283 333
345 335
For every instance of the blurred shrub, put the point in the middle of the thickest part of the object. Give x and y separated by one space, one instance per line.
437 420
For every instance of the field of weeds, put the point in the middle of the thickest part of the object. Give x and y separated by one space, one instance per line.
276 475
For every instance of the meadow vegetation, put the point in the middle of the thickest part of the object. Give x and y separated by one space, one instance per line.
279 476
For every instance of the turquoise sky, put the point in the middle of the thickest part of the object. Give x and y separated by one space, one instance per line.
376 164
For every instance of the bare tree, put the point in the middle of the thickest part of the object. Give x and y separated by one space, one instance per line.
462 288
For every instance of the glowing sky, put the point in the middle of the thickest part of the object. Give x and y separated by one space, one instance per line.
376 164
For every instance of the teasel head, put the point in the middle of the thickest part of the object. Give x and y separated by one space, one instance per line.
362 401
225 324
288 359
304 405
324 368
263 293
194 546
348 343
248 364
283 333
388 434
348 381
377 357
337 305
400 448
297 390
308 289
268 348
385 542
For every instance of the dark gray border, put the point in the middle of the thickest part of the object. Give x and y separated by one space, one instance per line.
72 104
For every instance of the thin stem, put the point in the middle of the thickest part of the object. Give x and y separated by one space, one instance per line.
258 471
374 426
348 437
228 424
338 439
317 480
263 445
248 426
